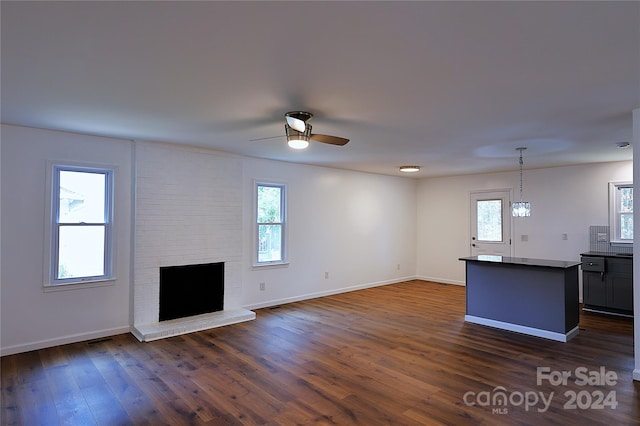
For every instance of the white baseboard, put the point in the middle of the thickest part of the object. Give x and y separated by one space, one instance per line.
72 338
552 335
308 296
636 374
440 280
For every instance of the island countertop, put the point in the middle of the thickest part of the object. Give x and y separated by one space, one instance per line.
525 261
608 254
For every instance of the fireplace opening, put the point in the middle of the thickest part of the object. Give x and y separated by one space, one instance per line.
189 290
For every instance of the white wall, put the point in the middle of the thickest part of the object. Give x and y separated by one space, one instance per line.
358 227
563 200
32 318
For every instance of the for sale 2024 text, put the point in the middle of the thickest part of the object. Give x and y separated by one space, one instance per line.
597 399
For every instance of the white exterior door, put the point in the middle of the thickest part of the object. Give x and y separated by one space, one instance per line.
491 223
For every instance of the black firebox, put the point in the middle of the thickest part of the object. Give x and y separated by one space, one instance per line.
188 290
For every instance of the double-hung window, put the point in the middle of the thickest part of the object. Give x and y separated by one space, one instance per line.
81 224
270 223
621 212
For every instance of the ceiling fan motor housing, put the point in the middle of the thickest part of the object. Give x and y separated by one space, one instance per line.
300 115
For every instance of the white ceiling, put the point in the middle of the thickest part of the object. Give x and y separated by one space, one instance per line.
454 87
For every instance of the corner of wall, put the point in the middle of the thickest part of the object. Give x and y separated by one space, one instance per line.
636 260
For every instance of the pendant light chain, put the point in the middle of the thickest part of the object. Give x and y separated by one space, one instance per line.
521 173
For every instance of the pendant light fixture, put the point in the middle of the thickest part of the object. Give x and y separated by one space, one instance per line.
521 208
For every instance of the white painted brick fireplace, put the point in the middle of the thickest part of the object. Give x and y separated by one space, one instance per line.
188 211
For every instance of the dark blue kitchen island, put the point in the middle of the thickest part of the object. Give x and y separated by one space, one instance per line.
538 297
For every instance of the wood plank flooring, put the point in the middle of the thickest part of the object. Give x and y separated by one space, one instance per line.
393 355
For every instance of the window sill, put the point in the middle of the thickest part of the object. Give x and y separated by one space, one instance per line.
624 244
272 265
79 285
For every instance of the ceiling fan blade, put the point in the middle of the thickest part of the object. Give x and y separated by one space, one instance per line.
296 123
270 137
333 140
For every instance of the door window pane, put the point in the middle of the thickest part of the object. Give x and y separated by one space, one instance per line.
489 226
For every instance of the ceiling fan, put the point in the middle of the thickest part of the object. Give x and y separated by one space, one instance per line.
298 131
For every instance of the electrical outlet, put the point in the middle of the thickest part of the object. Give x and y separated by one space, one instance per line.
565 236
398 267
524 237
262 286
326 275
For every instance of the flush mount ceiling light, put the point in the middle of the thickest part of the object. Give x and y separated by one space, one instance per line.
623 145
521 208
409 169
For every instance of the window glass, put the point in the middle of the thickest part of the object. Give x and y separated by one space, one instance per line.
81 197
625 205
269 204
270 237
81 251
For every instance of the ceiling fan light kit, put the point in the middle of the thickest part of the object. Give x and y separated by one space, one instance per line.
297 139
409 169
298 143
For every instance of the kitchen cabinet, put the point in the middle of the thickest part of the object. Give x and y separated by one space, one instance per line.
607 284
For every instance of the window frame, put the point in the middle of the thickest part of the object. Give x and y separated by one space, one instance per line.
615 232
283 224
52 282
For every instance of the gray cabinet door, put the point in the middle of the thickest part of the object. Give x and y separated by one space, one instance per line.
620 284
620 289
594 289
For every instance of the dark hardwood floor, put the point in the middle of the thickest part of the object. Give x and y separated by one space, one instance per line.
398 354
